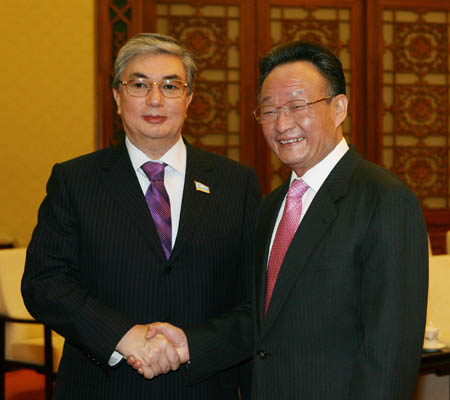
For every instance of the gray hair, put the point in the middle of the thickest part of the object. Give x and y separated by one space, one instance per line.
154 43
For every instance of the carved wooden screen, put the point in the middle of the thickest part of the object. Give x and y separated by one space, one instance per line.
413 107
335 27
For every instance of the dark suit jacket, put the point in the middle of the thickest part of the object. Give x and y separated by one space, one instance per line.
347 315
95 267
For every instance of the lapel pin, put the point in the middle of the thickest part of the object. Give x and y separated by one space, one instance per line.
200 187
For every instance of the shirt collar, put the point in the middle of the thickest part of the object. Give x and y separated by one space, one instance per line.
175 157
316 176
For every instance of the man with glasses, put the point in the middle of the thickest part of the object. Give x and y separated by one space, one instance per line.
341 263
151 230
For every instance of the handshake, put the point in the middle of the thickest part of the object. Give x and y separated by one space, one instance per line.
154 349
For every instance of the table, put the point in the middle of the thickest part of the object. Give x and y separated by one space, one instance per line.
436 363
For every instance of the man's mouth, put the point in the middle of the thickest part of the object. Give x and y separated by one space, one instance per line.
154 118
294 140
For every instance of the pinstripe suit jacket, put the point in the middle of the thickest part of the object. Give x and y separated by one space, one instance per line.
347 315
95 267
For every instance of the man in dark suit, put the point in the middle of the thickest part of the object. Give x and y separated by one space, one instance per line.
118 245
341 262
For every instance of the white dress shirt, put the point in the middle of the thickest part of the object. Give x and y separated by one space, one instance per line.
174 175
314 177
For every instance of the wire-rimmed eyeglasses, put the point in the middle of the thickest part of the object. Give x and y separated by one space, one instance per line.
141 87
267 113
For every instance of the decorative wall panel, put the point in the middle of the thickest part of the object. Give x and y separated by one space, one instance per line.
415 96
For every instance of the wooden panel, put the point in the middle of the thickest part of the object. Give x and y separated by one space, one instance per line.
413 96
415 100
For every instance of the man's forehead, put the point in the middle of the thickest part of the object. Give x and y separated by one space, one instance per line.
294 90
160 66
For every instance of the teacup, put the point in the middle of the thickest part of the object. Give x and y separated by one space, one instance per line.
431 335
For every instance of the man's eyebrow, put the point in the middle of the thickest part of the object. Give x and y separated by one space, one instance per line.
143 76
174 76
138 75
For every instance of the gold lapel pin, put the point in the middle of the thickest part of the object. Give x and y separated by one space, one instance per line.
200 187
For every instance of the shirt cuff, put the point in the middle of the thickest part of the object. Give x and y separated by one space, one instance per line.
115 358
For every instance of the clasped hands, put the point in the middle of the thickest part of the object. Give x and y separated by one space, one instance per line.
154 349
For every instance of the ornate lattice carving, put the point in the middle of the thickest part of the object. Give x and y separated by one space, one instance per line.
423 169
206 37
416 76
421 110
209 111
420 47
322 32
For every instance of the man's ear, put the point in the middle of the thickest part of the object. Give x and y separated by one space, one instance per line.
188 102
116 95
340 106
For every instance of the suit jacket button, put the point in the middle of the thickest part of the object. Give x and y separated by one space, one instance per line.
169 269
262 354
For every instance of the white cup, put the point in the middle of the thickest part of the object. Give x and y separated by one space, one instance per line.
431 335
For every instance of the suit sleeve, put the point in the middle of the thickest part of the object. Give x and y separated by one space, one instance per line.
52 285
228 340
394 260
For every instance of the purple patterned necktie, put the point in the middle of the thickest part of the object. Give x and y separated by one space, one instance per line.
159 204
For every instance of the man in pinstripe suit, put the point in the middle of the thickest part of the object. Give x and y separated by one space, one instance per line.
346 317
96 270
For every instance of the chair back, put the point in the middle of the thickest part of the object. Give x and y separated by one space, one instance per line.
12 263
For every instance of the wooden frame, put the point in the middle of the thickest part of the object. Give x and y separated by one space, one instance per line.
11 365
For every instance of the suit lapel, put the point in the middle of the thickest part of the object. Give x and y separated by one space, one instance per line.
120 180
198 168
314 225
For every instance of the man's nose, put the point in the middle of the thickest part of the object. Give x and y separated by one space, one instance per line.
284 121
154 96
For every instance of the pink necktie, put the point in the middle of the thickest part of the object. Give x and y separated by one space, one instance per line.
285 232
159 204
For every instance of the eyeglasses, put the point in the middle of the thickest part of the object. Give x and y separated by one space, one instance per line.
141 88
265 114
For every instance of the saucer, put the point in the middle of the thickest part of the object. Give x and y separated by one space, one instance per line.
434 347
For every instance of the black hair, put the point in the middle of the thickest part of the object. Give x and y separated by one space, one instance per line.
323 59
